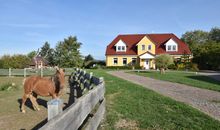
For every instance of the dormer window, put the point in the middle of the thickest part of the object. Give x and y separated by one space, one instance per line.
120 46
169 48
171 45
174 47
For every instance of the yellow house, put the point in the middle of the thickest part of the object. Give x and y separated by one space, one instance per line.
141 49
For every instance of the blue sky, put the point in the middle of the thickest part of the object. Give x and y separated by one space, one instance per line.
26 24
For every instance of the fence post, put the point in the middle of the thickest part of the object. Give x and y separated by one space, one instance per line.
9 72
54 107
24 72
41 72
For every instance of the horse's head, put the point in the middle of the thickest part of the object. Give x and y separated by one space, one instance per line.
60 78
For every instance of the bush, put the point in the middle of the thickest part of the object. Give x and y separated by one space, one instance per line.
194 67
172 67
8 87
119 67
181 66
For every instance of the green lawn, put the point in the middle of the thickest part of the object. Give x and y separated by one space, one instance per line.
191 79
130 106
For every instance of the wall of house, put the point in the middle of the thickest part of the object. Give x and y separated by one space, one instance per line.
110 59
145 41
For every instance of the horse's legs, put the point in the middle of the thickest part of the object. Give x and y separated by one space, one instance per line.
24 98
34 103
54 96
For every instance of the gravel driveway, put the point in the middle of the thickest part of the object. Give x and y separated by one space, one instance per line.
204 100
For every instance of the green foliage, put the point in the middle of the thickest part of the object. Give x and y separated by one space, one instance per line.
192 38
48 54
8 87
214 34
207 56
31 54
163 61
205 47
89 61
67 53
15 61
44 49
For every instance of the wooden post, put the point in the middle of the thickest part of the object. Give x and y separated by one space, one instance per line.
24 72
54 108
41 72
9 72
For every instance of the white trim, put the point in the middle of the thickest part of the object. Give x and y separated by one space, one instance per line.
146 56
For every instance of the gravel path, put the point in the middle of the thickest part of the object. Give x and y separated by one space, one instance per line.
206 101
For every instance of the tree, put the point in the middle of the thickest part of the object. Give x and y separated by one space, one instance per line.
163 61
214 34
195 38
31 54
44 49
15 61
67 53
88 61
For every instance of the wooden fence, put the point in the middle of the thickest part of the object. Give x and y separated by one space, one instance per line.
87 104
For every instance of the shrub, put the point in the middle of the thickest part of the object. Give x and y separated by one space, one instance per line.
194 67
8 87
181 66
172 66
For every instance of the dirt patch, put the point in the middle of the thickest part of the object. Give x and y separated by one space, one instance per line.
126 124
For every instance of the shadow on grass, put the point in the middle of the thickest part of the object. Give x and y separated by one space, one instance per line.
204 79
39 125
28 103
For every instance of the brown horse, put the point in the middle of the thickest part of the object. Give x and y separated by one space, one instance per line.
36 85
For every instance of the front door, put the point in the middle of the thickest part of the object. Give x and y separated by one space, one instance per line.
146 64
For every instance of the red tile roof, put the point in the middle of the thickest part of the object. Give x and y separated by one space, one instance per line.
159 39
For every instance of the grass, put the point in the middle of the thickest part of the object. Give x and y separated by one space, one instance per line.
190 79
132 104
10 116
129 106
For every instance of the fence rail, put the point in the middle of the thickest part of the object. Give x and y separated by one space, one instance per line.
89 93
29 71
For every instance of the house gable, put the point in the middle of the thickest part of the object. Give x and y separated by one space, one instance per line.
171 45
144 45
120 46
147 55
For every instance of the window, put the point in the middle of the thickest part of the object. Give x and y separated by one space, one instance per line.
119 48
134 61
124 61
169 48
115 61
174 47
143 47
149 47
123 48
